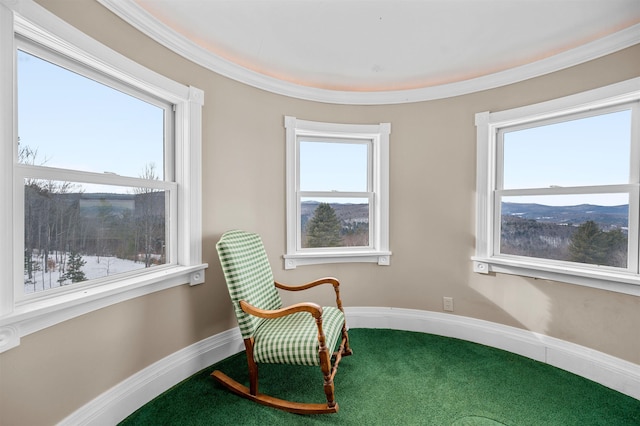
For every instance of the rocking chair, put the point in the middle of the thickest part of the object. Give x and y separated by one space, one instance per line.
301 334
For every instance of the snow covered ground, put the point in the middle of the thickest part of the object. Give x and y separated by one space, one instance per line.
96 267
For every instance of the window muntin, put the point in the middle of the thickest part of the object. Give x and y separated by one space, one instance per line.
601 199
69 123
337 173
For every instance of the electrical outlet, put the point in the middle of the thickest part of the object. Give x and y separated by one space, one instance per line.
447 303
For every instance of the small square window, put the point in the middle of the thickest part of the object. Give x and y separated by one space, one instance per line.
337 197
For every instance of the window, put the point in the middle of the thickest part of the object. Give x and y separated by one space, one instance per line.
95 224
337 193
102 173
558 189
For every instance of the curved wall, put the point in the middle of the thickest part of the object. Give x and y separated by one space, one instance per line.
57 370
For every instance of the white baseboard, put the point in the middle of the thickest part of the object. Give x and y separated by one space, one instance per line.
126 397
123 399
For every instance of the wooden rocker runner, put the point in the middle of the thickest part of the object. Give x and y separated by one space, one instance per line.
300 334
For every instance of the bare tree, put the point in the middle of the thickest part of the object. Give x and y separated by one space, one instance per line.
49 220
149 212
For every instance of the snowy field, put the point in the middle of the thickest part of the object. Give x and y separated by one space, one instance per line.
96 267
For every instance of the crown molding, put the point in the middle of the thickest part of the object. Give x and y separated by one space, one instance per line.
136 16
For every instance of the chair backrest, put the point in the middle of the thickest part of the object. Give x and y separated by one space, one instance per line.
248 274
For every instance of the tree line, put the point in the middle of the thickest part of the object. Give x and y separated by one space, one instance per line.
61 227
585 243
62 224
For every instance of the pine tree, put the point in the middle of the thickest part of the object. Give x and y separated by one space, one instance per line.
616 242
323 230
590 244
74 269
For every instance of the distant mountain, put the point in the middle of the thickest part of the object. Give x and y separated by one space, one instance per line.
606 216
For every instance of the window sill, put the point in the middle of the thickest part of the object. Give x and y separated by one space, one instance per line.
604 279
291 261
35 316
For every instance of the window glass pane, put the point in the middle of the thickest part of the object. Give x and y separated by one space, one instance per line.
68 121
75 232
333 166
582 152
335 222
591 228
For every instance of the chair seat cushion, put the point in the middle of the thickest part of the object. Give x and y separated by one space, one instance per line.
293 339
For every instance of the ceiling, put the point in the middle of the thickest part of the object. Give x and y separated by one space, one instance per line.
376 46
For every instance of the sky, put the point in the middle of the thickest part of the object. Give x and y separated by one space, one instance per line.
57 112
336 166
584 152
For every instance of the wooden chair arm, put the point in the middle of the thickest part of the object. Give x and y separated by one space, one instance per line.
325 280
314 309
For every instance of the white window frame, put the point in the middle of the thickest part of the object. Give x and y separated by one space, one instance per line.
20 316
487 258
378 192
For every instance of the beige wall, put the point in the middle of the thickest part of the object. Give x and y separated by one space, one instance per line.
57 370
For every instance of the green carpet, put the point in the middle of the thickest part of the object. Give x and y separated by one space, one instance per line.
402 378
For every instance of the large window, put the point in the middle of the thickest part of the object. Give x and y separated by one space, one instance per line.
101 170
89 225
558 189
337 193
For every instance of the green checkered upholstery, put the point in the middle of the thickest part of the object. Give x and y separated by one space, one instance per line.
292 339
248 274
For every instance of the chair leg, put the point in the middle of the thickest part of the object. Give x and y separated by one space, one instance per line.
253 367
325 366
345 336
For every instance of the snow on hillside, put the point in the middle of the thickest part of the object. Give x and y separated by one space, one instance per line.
96 267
